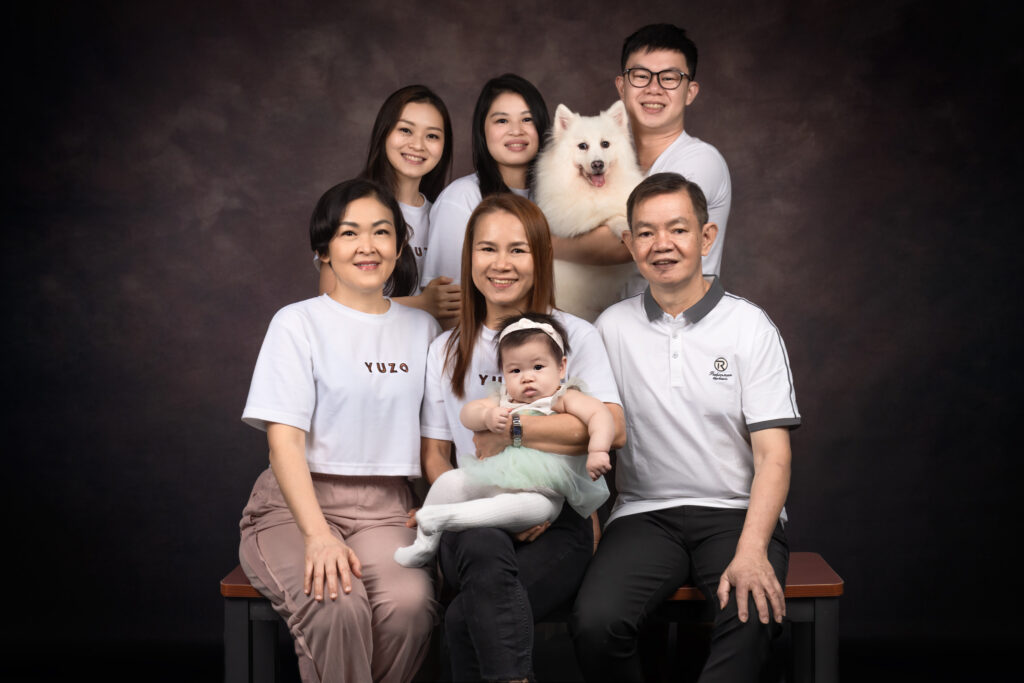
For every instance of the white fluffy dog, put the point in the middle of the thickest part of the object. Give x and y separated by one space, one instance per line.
583 177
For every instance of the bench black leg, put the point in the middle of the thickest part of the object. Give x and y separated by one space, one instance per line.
263 656
236 641
264 651
826 640
815 640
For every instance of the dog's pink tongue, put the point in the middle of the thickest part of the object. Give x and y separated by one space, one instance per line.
597 180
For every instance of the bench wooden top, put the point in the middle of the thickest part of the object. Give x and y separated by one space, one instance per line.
809 577
236 585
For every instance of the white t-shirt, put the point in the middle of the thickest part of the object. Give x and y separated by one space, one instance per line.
352 381
701 163
418 220
587 362
448 220
693 389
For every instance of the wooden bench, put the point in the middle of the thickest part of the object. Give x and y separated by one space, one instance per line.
813 589
812 607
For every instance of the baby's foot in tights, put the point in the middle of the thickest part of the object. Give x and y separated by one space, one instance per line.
419 553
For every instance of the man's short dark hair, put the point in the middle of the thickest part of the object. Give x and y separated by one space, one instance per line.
667 183
661 37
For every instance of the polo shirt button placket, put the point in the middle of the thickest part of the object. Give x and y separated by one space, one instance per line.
676 363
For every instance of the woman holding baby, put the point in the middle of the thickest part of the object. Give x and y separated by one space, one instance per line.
505 583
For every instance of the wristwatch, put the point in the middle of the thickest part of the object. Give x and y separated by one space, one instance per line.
517 431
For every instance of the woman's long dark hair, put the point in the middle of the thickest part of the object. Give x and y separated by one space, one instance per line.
330 210
473 313
378 167
484 164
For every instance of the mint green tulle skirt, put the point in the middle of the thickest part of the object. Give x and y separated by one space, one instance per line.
527 469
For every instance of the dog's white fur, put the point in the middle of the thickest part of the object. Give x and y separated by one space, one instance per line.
582 180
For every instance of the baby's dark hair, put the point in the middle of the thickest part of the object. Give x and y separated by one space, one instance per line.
519 337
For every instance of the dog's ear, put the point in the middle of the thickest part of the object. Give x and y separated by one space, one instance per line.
563 117
617 112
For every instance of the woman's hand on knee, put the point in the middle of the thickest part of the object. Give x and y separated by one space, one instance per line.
327 560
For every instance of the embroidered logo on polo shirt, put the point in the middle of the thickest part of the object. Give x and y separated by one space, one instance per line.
719 374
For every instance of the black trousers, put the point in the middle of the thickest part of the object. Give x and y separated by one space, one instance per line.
641 560
503 588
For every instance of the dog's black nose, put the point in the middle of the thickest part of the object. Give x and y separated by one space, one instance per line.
597 166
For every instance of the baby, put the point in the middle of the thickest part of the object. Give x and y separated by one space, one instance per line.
520 487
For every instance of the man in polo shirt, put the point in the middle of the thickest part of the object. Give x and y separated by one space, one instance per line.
709 402
657 82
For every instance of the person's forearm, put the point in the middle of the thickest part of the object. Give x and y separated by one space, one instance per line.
435 457
619 420
599 247
288 460
559 433
567 434
598 417
767 496
601 428
473 415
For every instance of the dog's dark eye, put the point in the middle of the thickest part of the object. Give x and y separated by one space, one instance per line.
605 144
584 146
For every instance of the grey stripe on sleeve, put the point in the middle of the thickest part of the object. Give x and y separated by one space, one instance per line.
791 422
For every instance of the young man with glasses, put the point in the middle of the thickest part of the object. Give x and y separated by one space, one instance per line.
657 83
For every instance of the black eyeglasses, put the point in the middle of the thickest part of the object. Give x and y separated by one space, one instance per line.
669 79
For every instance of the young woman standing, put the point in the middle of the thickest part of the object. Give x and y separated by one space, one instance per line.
410 153
510 122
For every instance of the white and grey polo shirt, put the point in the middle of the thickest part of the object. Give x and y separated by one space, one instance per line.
693 388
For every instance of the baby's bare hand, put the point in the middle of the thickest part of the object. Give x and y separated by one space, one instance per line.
497 419
598 463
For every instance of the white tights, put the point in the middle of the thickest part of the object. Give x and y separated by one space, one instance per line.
455 503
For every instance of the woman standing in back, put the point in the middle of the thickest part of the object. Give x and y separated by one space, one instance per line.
510 122
410 153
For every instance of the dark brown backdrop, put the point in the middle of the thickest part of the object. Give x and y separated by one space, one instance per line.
162 160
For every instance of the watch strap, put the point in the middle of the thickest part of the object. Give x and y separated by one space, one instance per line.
517 431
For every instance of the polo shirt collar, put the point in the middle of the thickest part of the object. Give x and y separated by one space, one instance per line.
695 312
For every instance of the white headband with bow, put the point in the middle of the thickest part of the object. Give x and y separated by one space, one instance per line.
527 324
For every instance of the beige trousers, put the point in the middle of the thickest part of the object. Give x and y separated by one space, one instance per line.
378 632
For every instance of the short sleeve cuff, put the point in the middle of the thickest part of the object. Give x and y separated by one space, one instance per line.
438 433
787 422
261 418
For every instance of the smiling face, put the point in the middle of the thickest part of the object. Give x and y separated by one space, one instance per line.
502 265
416 143
531 371
512 139
652 108
362 253
668 242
